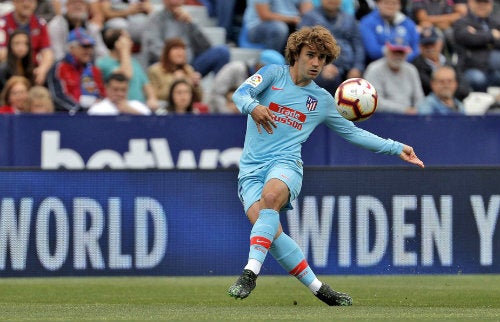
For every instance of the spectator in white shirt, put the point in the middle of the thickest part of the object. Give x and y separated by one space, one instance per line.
116 101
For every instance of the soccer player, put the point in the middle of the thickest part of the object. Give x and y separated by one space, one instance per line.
284 106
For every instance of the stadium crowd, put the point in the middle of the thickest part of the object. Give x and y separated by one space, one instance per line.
156 57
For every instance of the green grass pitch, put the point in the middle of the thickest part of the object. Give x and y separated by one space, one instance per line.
376 298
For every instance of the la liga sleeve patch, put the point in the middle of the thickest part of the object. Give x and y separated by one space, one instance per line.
254 80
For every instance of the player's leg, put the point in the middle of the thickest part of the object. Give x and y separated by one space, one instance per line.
264 216
288 253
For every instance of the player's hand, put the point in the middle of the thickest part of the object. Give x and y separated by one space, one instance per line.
409 156
263 116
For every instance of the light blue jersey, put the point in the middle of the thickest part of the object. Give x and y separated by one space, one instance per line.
297 112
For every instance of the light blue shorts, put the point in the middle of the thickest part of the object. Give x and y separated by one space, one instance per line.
250 185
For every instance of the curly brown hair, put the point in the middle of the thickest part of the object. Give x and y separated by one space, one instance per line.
317 37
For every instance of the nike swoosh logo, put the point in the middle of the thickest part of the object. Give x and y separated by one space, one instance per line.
276 88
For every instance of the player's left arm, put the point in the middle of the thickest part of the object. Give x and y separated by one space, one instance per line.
365 139
408 155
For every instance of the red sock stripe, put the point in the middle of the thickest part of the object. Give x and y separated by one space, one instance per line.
258 240
299 268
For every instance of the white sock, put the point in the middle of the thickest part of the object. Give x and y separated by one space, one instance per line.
255 266
315 286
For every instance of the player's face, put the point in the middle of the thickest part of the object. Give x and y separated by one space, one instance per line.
309 65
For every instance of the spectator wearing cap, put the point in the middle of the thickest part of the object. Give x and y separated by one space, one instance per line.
388 23
233 74
75 82
477 36
344 28
432 57
23 17
442 100
76 15
396 80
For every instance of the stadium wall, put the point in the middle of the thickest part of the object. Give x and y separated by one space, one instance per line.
216 141
348 220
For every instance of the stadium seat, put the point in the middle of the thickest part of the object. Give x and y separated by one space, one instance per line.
200 15
216 35
244 54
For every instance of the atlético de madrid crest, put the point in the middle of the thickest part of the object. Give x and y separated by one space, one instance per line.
311 103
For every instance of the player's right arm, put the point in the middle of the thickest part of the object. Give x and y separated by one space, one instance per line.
246 97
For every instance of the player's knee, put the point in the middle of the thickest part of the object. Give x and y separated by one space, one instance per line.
271 200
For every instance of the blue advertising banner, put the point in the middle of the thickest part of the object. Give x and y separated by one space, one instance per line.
4 140
216 141
190 222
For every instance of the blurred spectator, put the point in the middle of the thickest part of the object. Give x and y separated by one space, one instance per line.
75 83
440 14
229 14
346 32
230 105
120 60
23 17
45 10
75 16
364 7
388 23
40 101
442 99
270 22
14 95
346 6
96 16
432 57
173 65
172 21
235 73
181 99
131 15
116 101
19 61
477 36
396 80
6 7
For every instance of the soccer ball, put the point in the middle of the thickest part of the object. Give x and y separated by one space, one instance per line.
356 99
